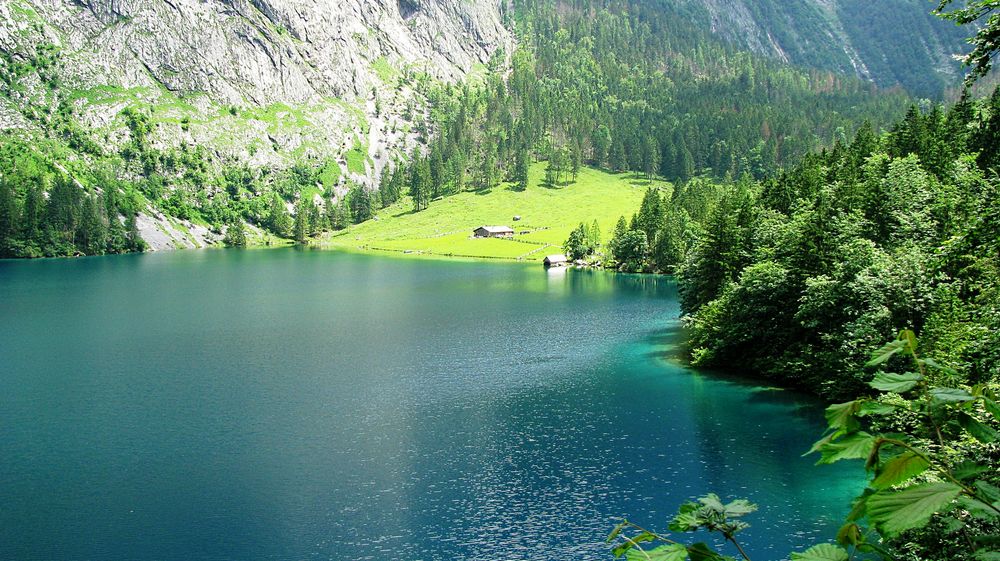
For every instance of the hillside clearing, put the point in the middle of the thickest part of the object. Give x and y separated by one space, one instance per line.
548 215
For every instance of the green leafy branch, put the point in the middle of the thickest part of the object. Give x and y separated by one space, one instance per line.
911 478
708 513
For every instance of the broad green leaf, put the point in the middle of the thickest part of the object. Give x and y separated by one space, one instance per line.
856 446
822 552
953 525
819 444
978 430
629 543
910 338
937 366
860 506
992 407
989 540
888 351
894 512
713 502
869 547
987 556
739 507
840 416
874 455
670 552
899 469
977 508
951 395
896 383
968 470
991 492
686 519
701 552
849 534
876 408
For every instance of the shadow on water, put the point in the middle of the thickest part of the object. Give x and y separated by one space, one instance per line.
669 345
591 281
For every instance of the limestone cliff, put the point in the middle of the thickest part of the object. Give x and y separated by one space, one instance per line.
261 79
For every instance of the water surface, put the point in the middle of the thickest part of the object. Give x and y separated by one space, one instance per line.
292 405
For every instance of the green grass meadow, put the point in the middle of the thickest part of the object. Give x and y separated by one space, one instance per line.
548 215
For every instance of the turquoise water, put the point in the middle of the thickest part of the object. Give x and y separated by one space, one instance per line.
287 404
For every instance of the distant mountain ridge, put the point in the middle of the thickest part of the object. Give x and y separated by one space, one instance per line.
887 41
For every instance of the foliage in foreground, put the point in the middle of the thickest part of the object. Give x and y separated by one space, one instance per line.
928 443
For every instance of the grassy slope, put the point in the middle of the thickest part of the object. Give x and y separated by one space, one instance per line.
550 214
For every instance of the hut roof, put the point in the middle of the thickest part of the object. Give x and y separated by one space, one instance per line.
497 229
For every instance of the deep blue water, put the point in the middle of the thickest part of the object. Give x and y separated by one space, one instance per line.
294 405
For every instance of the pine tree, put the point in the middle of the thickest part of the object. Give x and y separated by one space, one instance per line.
133 239
340 214
685 163
437 174
389 186
420 184
8 216
557 165
600 143
62 213
31 218
575 161
987 139
236 235
650 215
302 226
594 235
617 159
521 167
91 236
670 245
361 203
278 220
576 247
315 220
650 157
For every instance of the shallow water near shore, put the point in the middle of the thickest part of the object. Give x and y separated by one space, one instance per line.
289 404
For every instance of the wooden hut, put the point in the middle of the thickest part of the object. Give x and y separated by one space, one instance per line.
557 260
493 232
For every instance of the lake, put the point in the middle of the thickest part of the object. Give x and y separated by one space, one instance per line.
290 405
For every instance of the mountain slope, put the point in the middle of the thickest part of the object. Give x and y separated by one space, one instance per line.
210 113
331 69
889 42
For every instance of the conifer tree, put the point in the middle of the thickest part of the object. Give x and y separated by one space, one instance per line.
650 157
420 186
236 235
8 215
133 239
521 169
301 228
278 220
91 234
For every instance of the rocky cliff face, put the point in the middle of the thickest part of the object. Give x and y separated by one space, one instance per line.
235 70
267 51
266 83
